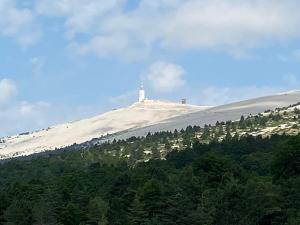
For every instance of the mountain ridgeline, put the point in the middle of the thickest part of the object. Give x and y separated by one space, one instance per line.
280 121
136 120
245 172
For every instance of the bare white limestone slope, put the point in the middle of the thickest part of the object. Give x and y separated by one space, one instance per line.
137 120
220 113
138 115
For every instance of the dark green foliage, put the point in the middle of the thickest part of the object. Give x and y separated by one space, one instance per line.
287 160
97 211
155 153
242 180
206 132
242 123
18 212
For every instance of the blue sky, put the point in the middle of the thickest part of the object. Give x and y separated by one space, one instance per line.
62 60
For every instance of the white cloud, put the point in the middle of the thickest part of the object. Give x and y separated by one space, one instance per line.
293 56
165 77
231 26
18 115
291 80
296 55
111 46
214 95
222 95
81 15
8 91
18 23
124 99
37 64
24 116
227 24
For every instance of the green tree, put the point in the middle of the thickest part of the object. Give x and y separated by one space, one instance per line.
242 123
228 136
18 213
97 211
151 194
71 215
137 214
155 153
43 213
221 131
286 163
206 132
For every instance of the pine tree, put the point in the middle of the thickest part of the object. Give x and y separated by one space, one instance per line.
19 212
221 130
168 146
137 214
233 127
206 132
228 136
236 137
155 153
97 211
242 124
43 213
175 133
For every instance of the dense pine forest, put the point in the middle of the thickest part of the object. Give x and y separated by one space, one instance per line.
238 181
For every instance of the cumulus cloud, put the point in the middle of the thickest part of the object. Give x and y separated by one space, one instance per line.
8 91
165 77
27 116
18 115
215 23
222 95
293 56
227 25
291 80
81 15
218 95
296 55
124 99
24 116
18 23
37 64
111 46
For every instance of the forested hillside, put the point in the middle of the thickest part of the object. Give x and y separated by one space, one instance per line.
156 146
244 181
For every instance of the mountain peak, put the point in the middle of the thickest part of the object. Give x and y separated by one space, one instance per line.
140 114
137 120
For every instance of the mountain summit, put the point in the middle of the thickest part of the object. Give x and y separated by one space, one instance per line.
137 120
140 114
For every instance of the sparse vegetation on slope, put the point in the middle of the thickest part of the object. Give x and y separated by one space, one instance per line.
236 172
158 145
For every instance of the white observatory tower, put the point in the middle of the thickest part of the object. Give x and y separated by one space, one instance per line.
142 94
